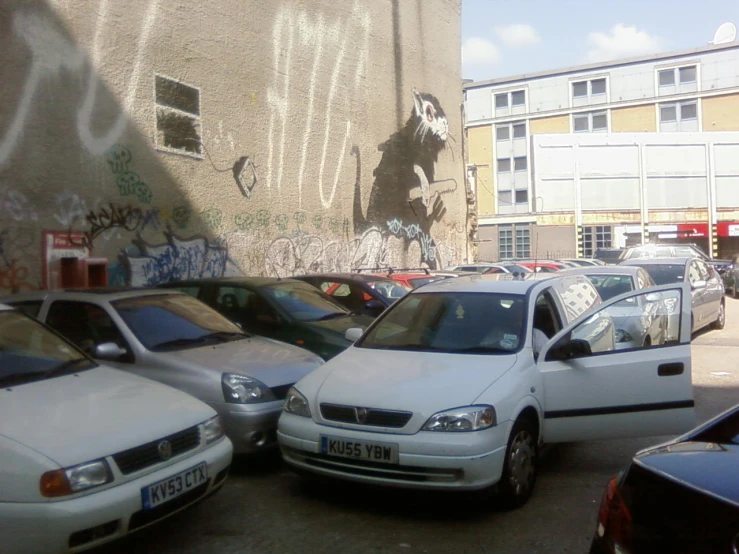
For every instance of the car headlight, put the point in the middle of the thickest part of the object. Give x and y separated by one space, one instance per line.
212 430
62 482
296 403
240 389
623 336
468 418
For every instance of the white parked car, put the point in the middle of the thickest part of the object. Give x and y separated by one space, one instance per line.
458 384
89 453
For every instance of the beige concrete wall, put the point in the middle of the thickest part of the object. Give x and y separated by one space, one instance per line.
548 125
487 248
553 241
315 153
634 119
721 113
480 153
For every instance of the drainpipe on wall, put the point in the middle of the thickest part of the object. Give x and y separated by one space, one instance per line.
578 203
470 196
711 201
643 207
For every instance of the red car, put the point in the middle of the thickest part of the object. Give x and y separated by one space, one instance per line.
542 266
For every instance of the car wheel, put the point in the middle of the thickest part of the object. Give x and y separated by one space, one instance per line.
720 322
521 464
734 291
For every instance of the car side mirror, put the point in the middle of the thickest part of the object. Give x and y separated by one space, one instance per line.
109 351
567 348
653 297
353 333
374 306
700 284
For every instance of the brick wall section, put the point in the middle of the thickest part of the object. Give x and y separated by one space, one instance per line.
721 113
480 153
635 119
547 125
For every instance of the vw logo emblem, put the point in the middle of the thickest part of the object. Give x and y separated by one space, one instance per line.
361 414
165 450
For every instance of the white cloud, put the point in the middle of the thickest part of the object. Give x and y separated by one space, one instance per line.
477 51
517 34
622 41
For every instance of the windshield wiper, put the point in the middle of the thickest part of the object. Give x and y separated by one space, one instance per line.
226 335
178 342
479 349
67 366
333 316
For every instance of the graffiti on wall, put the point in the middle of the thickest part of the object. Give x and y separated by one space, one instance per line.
405 195
175 259
302 38
129 183
51 52
14 274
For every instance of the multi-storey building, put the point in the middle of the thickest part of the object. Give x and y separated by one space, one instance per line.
604 155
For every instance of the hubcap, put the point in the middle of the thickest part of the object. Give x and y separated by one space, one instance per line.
521 462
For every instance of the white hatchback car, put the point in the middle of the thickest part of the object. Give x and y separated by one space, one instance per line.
90 453
458 384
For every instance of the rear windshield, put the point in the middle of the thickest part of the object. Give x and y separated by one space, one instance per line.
665 274
610 286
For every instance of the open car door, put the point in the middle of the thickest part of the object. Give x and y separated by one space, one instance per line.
592 390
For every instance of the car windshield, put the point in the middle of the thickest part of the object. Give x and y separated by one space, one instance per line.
304 302
463 323
665 274
611 285
175 322
30 352
390 290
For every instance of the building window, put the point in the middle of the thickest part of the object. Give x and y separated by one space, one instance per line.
504 132
519 130
522 196
677 75
519 163
505 242
591 122
594 87
178 116
681 116
523 242
595 238
504 197
515 99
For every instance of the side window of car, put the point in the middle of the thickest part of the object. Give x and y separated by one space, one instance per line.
546 315
704 270
694 273
87 326
578 297
28 307
235 302
644 280
655 323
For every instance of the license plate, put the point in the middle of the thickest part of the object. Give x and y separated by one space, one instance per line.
172 487
383 452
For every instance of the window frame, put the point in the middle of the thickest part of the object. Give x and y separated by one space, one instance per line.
594 238
676 71
678 106
590 116
158 145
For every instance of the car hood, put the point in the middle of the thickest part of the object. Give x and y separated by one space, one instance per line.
710 467
338 326
419 382
273 363
82 417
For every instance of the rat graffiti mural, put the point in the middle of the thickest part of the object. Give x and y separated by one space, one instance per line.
406 199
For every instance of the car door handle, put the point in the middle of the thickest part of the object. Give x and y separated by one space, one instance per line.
666 370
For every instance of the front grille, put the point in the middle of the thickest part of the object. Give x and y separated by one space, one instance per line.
373 416
281 391
145 517
362 468
147 455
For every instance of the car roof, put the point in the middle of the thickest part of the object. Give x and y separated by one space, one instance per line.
660 261
502 283
601 269
366 277
248 280
105 293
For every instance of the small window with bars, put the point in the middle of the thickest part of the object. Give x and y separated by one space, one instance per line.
178 116
596 237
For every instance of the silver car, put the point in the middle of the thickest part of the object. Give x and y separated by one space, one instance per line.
708 302
177 340
651 327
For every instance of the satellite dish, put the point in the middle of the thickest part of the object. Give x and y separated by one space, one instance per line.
726 32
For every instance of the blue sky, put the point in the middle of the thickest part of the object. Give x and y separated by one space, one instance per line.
508 37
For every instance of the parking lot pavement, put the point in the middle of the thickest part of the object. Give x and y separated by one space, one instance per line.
264 508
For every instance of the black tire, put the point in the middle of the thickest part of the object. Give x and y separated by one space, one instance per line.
521 464
720 322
